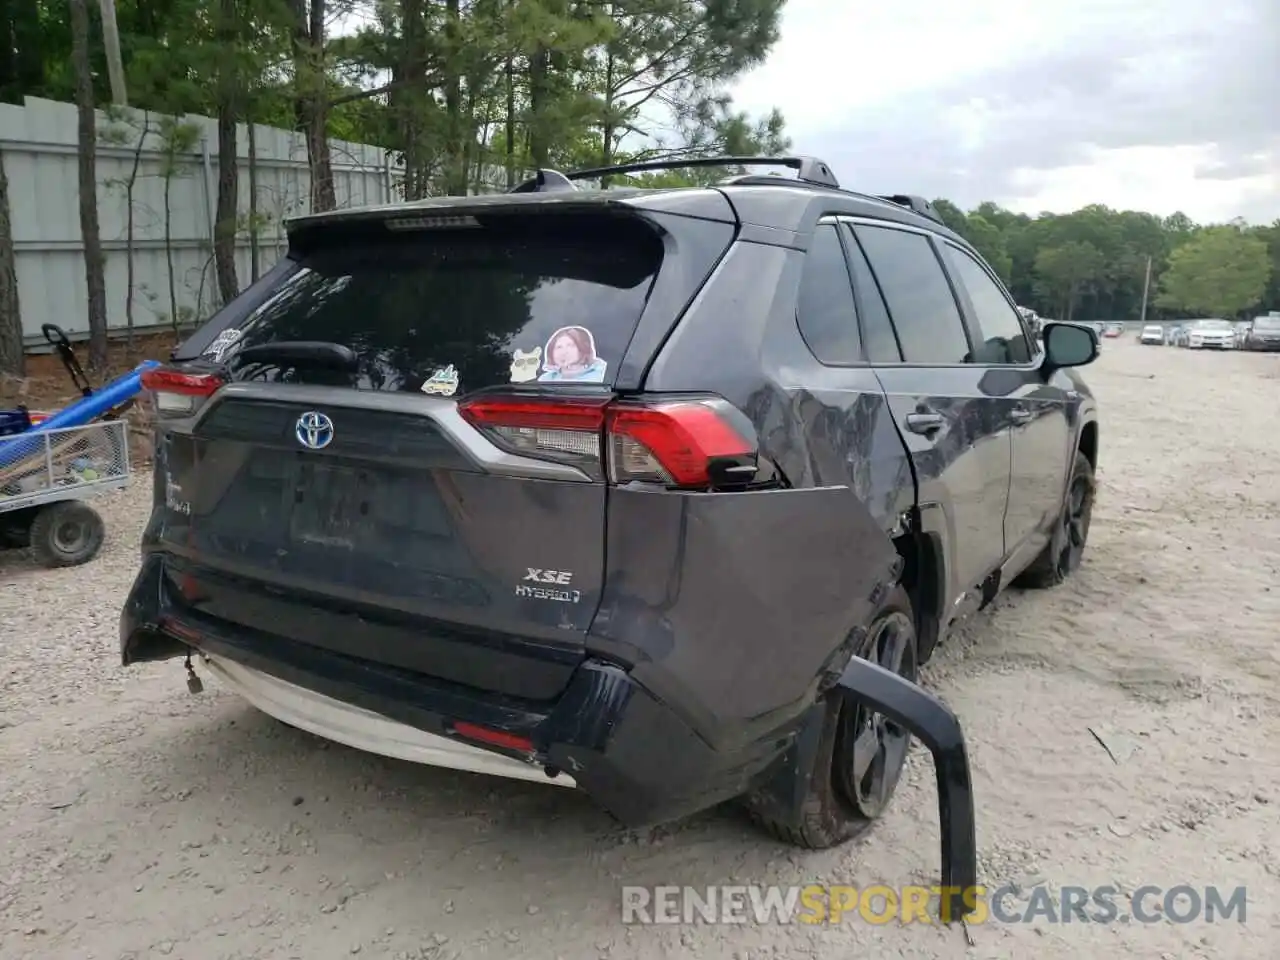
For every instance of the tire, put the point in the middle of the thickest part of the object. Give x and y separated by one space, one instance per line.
835 809
66 534
1064 552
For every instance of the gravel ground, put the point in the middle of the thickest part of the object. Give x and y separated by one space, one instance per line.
137 820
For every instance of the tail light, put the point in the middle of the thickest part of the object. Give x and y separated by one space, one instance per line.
179 394
691 443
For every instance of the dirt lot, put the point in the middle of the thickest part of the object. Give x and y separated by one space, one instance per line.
138 821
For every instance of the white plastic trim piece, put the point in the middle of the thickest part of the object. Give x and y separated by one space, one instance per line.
365 730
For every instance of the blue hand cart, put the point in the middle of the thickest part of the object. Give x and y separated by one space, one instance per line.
50 464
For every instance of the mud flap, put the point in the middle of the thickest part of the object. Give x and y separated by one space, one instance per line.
934 725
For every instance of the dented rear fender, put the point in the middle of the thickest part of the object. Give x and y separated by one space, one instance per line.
730 607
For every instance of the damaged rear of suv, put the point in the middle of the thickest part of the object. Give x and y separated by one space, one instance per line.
523 485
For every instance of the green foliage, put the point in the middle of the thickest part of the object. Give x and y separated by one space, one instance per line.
457 88
470 93
1068 269
1222 271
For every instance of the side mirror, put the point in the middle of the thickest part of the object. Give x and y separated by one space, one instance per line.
1069 345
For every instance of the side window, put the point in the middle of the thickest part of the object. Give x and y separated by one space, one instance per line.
917 294
825 308
879 342
1003 340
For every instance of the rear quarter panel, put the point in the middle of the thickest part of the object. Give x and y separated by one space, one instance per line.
731 606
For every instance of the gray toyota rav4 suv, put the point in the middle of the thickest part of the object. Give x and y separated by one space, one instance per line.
662 494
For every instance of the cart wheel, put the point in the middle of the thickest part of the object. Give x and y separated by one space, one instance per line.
67 534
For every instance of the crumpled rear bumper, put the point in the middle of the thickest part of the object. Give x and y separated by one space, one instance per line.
606 734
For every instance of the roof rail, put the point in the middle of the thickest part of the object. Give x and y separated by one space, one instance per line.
808 170
916 205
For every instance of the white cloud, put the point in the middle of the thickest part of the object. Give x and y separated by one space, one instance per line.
1160 105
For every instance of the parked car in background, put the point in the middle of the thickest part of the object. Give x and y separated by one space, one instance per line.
1211 335
1113 330
1152 333
1264 333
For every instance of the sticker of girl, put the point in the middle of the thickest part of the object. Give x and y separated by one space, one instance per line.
571 355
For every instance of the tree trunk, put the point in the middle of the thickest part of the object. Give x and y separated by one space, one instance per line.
224 228
511 122
539 104
13 357
453 153
95 281
407 99
228 205
323 196
130 186
311 101
168 247
607 128
255 268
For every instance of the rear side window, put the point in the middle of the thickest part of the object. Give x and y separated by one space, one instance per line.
548 298
919 298
879 342
1001 337
825 308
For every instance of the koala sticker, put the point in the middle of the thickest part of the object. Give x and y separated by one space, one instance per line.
524 365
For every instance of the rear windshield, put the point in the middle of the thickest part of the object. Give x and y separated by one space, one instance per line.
549 299
1267 323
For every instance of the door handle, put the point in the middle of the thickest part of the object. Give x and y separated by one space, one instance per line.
1021 415
924 423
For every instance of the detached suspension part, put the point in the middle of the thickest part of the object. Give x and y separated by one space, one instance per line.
194 683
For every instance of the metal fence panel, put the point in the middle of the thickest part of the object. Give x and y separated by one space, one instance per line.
174 196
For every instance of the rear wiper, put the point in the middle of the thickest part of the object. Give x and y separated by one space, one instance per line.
301 353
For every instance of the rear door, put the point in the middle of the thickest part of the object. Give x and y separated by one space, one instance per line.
355 508
954 424
1040 433
853 441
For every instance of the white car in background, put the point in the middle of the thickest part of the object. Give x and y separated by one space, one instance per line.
1154 333
1211 335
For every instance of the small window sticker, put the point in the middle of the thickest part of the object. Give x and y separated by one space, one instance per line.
442 383
217 350
524 364
570 354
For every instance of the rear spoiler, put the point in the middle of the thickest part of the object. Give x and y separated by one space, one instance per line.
451 214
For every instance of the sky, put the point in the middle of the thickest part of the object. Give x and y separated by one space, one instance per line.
1157 105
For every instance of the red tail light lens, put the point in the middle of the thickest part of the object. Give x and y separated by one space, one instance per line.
673 442
177 393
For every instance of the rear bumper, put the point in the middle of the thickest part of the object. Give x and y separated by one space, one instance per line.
606 734
366 730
